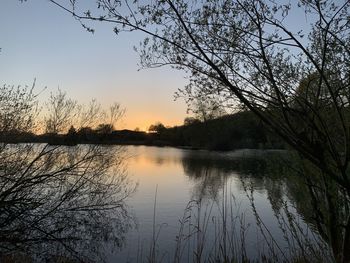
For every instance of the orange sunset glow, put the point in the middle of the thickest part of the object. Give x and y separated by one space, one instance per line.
174 131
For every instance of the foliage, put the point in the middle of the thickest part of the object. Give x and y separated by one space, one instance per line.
63 112
225 220
246 54
190 120
157 127
205 109
18 109
104 129
236 131
57 201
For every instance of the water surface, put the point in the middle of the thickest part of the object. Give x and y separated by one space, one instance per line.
171 179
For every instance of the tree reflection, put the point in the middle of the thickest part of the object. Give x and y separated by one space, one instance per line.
320 201
58 203
62 202
293 189
210 174
324 205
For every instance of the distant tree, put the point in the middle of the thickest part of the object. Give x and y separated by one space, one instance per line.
72 131
190 120
206 109
157 128
85 133
71 137
90 115
104 129
115 113
61 112
85 130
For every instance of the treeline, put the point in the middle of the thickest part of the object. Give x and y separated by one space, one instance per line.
236 131
229 132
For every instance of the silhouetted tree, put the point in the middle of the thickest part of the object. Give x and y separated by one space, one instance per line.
18 109
190 121
85 133
205 109
57 199
157 127
116 112
71 137
104 129
61 112
246 52
72 131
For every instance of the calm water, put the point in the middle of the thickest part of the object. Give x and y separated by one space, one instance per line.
226 185
188 206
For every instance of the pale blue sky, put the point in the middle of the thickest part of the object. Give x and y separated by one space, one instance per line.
38 40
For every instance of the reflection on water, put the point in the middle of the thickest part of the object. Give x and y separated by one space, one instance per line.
77 203
247 194
209 171
61 204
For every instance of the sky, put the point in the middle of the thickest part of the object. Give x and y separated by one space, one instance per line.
40 41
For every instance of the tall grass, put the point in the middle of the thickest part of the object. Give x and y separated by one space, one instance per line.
221 231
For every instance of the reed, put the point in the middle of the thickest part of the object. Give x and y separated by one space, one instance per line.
217 231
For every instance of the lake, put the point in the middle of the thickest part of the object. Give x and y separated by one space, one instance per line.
196 205
91 203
